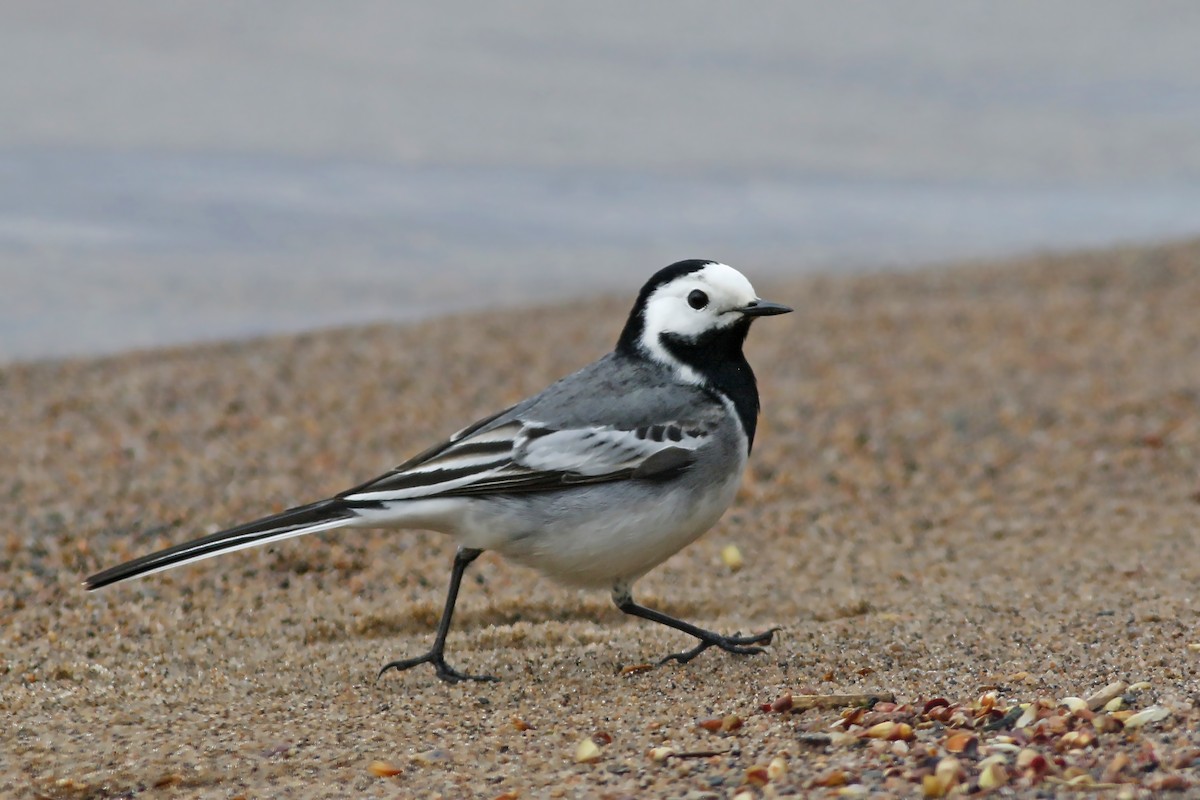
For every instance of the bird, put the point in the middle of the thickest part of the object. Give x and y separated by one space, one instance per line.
593 482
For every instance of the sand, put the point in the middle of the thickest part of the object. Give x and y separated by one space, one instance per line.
978 483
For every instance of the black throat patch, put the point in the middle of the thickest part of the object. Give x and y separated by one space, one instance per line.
717 356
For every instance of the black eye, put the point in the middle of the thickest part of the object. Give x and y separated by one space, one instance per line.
697 299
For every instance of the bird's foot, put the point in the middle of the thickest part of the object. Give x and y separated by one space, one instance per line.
740 645
444 670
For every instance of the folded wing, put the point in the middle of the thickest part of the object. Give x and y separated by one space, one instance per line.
524 456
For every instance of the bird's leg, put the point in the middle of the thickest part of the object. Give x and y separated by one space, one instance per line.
436 655
742 645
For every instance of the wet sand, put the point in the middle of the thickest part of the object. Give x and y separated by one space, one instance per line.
978 483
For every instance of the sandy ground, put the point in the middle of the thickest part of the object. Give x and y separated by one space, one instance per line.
980 484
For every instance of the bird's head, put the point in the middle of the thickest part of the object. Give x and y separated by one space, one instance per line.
693 313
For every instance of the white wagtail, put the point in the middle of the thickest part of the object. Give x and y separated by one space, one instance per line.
594 481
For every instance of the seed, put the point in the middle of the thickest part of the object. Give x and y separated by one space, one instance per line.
1073 704
732 557
949 771
661 753
1114 689
382 769
586 751
882 730
757 776
993 776
835 777
931 786
1032 760
959 742
725 724
940 713
1148 715
937 702
1075 740
994 759
890 730
1056 724
946 776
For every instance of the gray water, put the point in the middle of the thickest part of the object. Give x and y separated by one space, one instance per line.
173 173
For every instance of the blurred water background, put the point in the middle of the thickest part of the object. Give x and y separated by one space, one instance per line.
174 172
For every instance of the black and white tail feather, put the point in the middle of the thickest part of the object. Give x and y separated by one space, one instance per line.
479 460
595 480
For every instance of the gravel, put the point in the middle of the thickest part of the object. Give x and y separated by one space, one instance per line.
977 483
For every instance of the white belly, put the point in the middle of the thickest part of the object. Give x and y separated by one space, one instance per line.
597 537
587 536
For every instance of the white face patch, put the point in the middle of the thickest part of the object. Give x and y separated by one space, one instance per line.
671 308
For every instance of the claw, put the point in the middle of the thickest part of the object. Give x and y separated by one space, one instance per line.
444 671
740 645
436 656
687 655
762 638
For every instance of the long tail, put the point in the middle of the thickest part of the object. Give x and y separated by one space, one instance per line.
298 521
